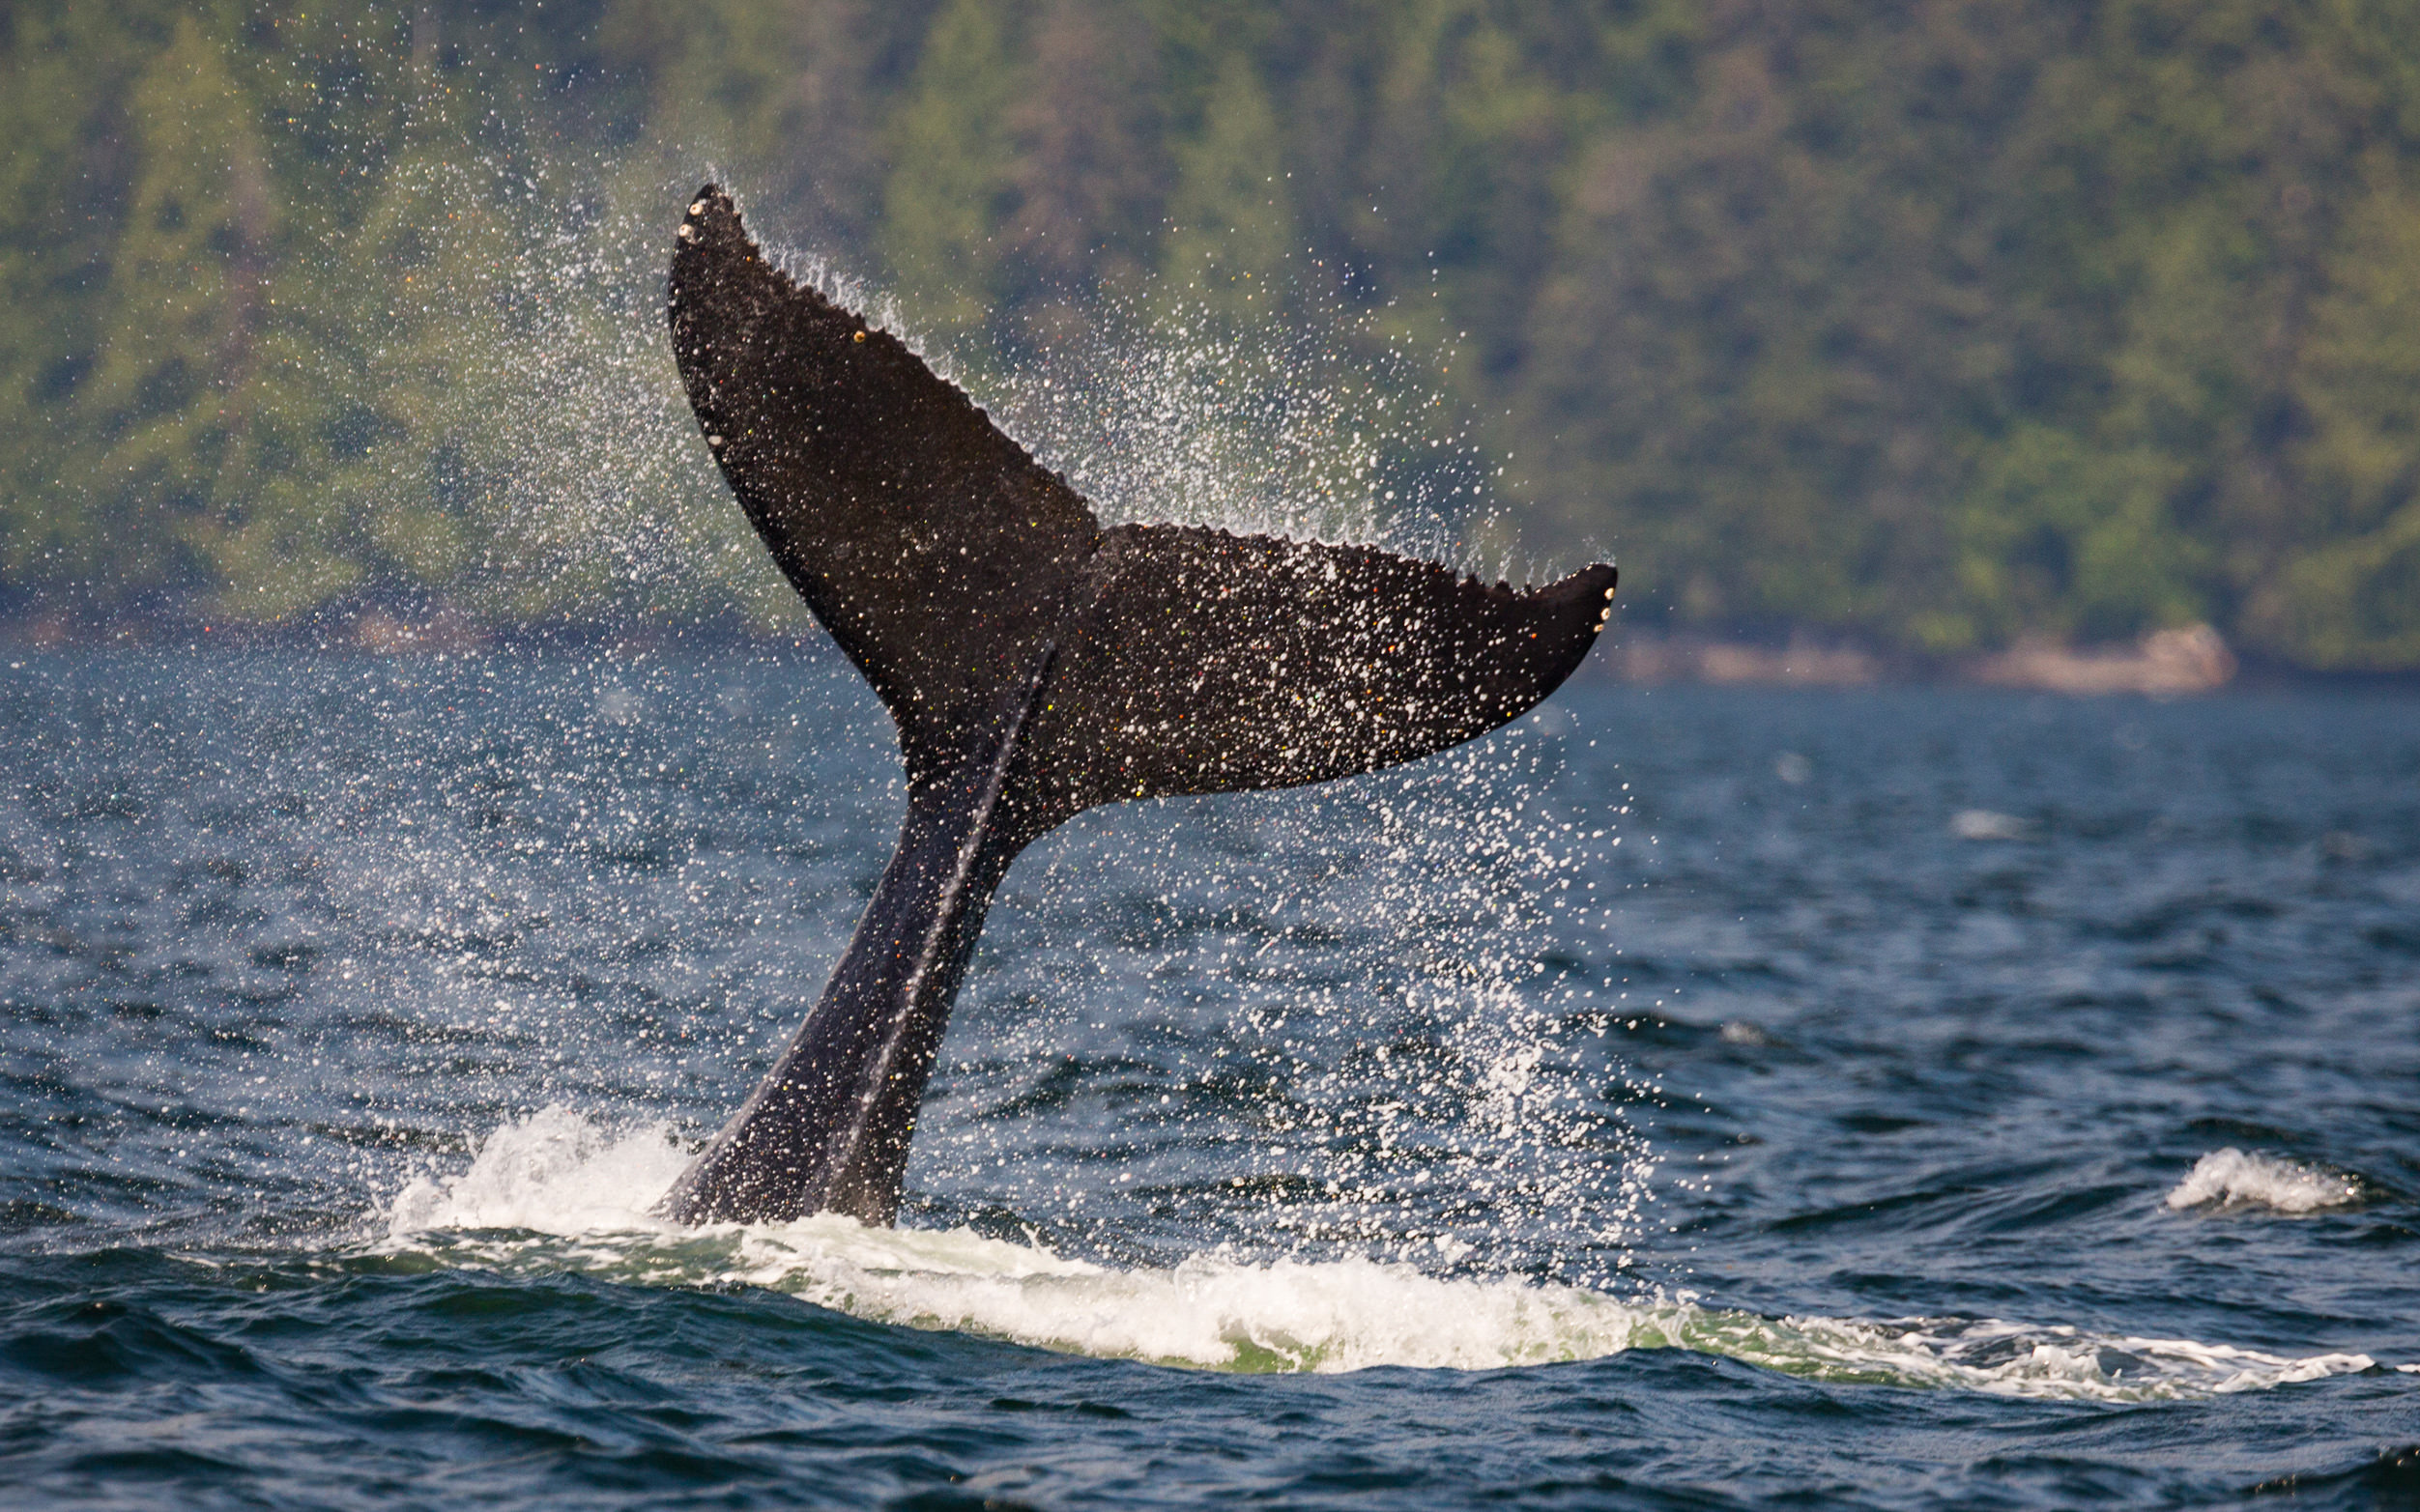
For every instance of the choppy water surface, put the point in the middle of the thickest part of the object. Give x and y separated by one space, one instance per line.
1686 1098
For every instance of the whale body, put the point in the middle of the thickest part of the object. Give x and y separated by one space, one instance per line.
1036 665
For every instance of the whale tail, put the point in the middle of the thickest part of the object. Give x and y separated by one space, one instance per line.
951 566
1035 665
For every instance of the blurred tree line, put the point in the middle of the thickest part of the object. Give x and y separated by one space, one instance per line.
1933 323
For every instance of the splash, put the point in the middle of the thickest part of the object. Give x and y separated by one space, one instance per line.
1259 431
555 1192
1381 995
2228 1177
553 1172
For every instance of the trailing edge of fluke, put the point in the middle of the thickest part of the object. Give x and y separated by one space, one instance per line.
1036 665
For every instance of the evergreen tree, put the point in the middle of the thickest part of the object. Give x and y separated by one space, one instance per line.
2347 597
952 185
1940 324
193 431
1228 250
1088 168
63 76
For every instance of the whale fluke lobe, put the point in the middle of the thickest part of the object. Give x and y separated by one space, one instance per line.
1035 665
931 546
1206 662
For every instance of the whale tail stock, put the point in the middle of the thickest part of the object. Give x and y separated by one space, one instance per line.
1036 665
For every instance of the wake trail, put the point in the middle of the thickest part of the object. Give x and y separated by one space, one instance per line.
555 1192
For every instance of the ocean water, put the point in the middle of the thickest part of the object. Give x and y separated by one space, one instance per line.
1686 1098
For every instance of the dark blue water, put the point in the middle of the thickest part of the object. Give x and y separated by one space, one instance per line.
1684 1099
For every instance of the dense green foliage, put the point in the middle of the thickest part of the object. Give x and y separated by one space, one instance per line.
1935 324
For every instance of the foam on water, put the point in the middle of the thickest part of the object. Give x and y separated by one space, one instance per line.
556 1191
2230 1177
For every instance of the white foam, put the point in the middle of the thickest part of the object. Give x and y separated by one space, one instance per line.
2230 1177
1985 824
555 1192
554 1172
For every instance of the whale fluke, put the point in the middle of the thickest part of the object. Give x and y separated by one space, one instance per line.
1035 665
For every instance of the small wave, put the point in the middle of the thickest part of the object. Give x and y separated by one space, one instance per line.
2230 1177
1985 824
555 1192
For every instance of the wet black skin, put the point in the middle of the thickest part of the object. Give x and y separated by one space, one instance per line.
1036 665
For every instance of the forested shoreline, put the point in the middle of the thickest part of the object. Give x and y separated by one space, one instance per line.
1930 328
